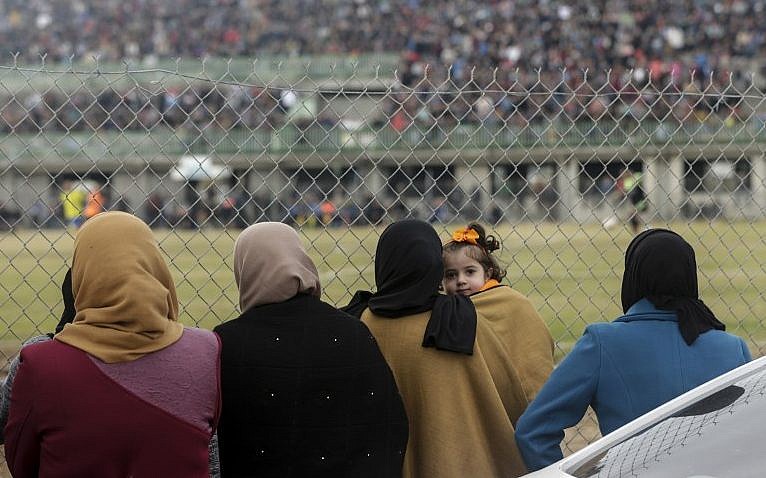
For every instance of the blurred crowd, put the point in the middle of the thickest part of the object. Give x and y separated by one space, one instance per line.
649 35
643 57
202 108
199 107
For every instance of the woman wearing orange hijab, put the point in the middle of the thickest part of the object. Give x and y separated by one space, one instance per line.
124 390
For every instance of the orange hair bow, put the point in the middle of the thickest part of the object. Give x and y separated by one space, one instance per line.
466 235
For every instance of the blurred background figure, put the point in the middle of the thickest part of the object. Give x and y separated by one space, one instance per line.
96 202
628 187
72 198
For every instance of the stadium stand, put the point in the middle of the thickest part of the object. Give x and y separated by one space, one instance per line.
649 36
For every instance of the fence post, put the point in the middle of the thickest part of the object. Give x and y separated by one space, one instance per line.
566 184
664 185
475 178
374 179
676 190
758 181
484 180
23 193
652 184
271 182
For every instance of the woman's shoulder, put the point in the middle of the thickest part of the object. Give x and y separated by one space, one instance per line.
301 317
497 289
503 304
369 315
51 358
42 345
33 344
198 341
500 293
408 327
313 308
194 331
197 334
333 312
37 339
721 337
622 329
302 305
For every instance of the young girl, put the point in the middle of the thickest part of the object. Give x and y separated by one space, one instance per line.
471 269
469 266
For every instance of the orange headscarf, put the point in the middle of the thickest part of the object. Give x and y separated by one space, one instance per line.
124 294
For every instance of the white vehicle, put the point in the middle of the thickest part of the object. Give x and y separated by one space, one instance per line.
713 431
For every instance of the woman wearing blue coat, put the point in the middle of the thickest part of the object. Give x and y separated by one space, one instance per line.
667 343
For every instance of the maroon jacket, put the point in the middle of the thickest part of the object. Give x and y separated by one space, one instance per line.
72 415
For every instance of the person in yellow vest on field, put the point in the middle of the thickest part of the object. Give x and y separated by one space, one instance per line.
72 204
631 188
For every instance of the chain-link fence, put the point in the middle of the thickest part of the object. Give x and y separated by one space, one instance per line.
563 169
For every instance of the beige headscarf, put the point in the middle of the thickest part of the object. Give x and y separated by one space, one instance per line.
124 294
271 266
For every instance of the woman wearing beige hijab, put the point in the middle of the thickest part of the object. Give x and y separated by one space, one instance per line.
306 392
124 390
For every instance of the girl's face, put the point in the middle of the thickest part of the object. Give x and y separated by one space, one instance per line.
462 274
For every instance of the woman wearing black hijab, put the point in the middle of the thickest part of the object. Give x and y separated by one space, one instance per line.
667 342
460 389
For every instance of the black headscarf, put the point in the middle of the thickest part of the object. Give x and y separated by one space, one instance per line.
660 266
67 316
408 271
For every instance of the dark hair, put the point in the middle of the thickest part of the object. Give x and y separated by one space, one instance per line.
481 252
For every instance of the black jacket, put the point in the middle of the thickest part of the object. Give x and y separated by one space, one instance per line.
306 392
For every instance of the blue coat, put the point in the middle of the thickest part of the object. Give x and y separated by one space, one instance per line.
622 369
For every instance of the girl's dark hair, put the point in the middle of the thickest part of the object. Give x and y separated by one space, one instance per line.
482 252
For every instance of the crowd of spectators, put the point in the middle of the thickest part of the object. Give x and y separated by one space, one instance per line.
202 108
568 101
529 58
550 35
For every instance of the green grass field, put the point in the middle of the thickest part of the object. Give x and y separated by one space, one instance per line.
572 273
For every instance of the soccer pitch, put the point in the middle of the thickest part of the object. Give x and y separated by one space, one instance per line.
572 273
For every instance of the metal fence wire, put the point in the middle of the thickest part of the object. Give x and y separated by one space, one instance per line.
563 168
